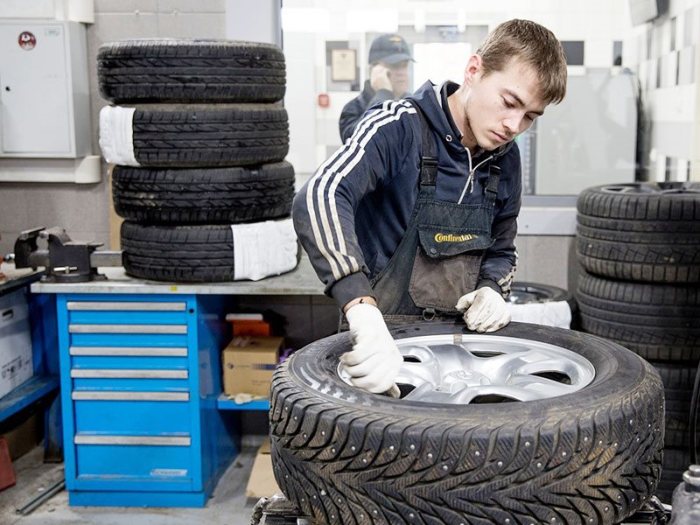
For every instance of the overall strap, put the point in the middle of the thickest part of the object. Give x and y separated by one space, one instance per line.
492 183
428 159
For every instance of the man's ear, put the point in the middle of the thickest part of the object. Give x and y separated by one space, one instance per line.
473 69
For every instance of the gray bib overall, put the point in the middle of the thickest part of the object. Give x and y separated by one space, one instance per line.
439 257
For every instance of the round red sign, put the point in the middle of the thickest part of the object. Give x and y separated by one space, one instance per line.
26 40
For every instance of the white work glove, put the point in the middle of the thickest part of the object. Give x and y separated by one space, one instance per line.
486 310
375 360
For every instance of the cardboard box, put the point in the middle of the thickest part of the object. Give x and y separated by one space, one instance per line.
248 364
261 483
16 365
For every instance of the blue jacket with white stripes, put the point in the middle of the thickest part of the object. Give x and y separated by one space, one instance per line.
352 213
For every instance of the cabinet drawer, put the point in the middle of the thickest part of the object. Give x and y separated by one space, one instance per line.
126 306
132 417
127 317
156 385
131 362
134 379
129 339
125 327
131 463
130 395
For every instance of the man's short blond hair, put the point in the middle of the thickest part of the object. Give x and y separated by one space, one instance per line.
533 44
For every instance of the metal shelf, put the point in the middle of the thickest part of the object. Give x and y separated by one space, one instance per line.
224 403
26 394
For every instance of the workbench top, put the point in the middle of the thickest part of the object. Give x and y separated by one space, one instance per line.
12 279
300 281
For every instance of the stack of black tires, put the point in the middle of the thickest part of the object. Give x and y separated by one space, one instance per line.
640 247
197 135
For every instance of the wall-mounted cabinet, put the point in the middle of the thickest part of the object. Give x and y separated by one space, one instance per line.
45 102
44 89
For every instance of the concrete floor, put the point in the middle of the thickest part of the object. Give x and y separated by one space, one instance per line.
228 506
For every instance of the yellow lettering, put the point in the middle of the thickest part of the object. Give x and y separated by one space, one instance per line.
450 237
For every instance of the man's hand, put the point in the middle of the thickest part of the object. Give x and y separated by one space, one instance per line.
379 78
486 310
374 361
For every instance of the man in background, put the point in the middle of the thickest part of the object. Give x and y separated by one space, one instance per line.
388 80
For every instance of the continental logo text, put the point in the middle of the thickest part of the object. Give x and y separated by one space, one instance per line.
450 237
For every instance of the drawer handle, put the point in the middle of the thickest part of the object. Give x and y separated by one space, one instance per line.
83 395
168 441
128 351
128 374
125 306
8 314
127 329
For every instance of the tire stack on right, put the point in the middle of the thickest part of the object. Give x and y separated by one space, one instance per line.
639 244
197 135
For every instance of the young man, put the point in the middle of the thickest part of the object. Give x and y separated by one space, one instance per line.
388 80
416 213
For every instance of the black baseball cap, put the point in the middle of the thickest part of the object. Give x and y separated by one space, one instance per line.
389 48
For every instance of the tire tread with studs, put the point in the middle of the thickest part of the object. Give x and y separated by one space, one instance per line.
345 456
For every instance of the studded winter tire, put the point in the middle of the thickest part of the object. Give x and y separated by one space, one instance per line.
592 455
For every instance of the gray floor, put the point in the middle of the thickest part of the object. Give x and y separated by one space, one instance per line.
229 504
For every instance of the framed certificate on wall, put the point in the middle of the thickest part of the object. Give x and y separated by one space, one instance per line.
343 65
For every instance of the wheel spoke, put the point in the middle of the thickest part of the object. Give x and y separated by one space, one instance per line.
469 394
543 387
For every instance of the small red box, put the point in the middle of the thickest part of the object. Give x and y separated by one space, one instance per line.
249 324
7 471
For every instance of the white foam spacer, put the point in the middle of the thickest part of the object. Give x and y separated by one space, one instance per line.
263 249
117 135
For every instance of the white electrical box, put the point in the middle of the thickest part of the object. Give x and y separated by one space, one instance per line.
44 93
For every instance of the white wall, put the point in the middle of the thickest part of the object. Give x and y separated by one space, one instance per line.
254 21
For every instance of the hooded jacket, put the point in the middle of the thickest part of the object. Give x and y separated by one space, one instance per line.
355 109
352 213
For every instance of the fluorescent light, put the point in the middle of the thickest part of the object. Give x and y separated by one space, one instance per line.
305 19
373 20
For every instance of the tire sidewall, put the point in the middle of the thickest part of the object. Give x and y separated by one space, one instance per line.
617 372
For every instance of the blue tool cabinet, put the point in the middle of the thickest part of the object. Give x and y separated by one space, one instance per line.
139 386
144 419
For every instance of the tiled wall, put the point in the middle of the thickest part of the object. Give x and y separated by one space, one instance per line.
665 55
83 210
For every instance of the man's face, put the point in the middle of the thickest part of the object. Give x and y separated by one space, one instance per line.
499 106
398 75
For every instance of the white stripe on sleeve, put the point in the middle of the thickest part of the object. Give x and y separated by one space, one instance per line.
328 175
